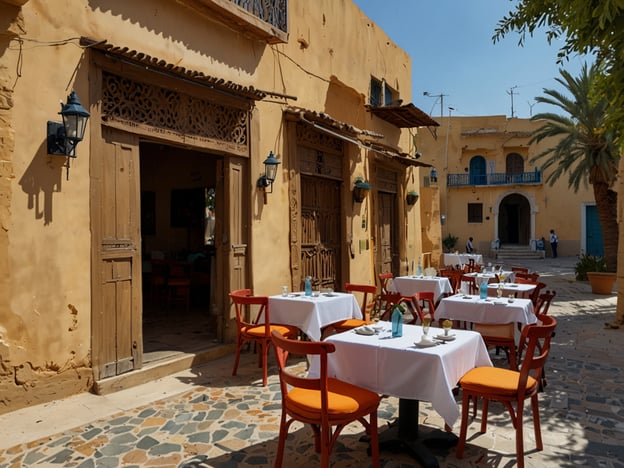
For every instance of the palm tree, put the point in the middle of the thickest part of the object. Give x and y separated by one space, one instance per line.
586 150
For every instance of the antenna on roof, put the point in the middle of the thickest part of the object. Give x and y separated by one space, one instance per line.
511 93
440 97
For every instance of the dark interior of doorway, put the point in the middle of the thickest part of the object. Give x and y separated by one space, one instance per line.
177 234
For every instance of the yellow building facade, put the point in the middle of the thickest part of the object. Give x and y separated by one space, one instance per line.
187 100
492 191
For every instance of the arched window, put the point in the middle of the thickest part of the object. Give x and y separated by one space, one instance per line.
514 165
477 171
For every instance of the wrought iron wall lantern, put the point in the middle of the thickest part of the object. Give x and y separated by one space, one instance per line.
360 189
270 173
433 175
63 137
411 198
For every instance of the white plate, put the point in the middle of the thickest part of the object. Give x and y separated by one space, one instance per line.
466 297
425 344
365 331
445 337
330 294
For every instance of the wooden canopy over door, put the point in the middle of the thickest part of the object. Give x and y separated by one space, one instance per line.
116 254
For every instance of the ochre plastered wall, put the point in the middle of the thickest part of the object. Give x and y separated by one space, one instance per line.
45 239
494 137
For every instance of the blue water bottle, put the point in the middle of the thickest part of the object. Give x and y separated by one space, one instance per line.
397 322
308 286
483 289
419 271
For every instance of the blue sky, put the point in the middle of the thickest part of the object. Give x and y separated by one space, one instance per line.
450 43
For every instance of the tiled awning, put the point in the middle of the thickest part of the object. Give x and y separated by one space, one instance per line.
351 134
407 116
155 64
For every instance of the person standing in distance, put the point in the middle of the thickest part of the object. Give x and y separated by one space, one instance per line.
469 247
554 242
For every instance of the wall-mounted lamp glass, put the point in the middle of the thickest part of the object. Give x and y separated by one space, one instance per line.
442 219
433 175
270 173
360 189
64 137
411 198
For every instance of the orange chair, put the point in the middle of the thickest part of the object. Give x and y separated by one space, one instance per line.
543 303
517 269
252 330
510 387
527 276
536 292
321 402
368 303
454 276
499 336
419 300
472 284
386 290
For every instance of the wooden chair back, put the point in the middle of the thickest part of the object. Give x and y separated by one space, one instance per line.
310 401
367 293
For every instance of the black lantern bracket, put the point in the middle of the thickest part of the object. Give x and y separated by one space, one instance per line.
63 137
270 173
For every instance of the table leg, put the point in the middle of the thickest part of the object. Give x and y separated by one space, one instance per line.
403 435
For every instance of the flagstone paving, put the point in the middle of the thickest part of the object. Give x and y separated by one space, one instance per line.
207 418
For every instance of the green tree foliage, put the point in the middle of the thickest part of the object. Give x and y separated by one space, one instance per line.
586 27
586 149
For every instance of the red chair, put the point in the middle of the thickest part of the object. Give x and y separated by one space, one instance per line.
253 330
324 403
421 299
543 303
510 387
387 290
368 303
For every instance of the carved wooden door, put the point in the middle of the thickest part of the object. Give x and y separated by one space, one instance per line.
387 240
321 232
117 344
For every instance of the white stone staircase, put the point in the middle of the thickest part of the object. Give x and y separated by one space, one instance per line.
516 252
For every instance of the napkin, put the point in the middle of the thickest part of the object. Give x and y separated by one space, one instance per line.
365 330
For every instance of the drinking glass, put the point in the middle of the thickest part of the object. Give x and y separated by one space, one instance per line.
426 325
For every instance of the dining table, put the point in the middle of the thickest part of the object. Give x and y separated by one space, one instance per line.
516 289
491 310
402 368
409 285
462 258
311 314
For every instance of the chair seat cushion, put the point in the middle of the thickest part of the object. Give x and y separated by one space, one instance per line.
258 330
494 380
343 399
350 323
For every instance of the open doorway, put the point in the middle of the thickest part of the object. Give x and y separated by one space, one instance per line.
178 222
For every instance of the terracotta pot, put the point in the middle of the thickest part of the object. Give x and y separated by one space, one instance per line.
601 282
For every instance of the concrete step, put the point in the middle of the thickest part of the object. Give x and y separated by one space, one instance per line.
518 254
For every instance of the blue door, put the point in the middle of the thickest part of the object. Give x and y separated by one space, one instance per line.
594 232
477 171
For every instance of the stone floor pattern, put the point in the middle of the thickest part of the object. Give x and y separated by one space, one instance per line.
224 421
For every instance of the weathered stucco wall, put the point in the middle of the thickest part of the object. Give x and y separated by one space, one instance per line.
45 238
494 137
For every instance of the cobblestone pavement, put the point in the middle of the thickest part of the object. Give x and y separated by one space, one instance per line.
207 418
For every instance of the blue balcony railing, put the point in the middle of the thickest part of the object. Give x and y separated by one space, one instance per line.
495 178
274 12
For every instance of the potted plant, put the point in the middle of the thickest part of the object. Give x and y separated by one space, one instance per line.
449 242
411 197
594 269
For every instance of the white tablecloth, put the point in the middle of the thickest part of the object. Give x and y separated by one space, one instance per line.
462 259
408 285
395 366
490 310
311 314
520 290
